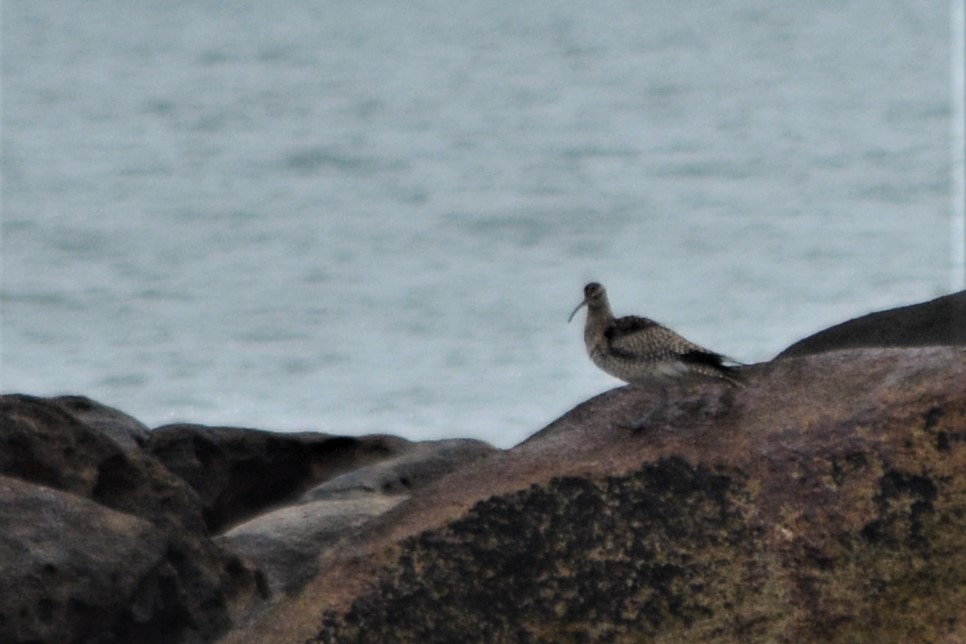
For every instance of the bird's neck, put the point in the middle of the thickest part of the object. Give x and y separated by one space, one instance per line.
599 317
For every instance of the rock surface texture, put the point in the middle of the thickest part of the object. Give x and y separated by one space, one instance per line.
823 502
286 543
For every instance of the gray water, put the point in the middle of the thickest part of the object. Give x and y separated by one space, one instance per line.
375 216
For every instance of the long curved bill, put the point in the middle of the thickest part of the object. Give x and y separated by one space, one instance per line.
584 303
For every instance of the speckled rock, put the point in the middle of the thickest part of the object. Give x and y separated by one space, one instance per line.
824 502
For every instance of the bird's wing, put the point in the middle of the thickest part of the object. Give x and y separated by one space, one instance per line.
634 336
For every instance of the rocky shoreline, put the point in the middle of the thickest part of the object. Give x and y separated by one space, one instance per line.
824 502
114 532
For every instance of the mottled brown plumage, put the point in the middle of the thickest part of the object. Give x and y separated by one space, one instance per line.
639 350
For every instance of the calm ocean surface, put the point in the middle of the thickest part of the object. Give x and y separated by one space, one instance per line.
375 216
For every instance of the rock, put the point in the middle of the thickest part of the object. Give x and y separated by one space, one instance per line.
126 431
287 543
106 526
75 571
77 494
239 472
45 442
824 502
405 473
938 322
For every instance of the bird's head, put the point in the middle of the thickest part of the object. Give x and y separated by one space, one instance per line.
593 293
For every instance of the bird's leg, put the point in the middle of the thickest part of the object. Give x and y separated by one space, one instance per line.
645 420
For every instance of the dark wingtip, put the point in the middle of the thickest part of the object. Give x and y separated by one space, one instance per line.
730 372
706 358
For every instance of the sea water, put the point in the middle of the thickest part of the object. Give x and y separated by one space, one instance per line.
376 216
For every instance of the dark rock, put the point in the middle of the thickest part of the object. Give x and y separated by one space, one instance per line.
43 441
75 571
152 497
824 502
105 525
127 431
939 322
239 472
94 489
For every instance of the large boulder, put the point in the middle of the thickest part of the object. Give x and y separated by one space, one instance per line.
75 571
101 542
825 502
46 442
939 322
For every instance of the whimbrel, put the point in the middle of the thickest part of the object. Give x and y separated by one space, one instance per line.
640 351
